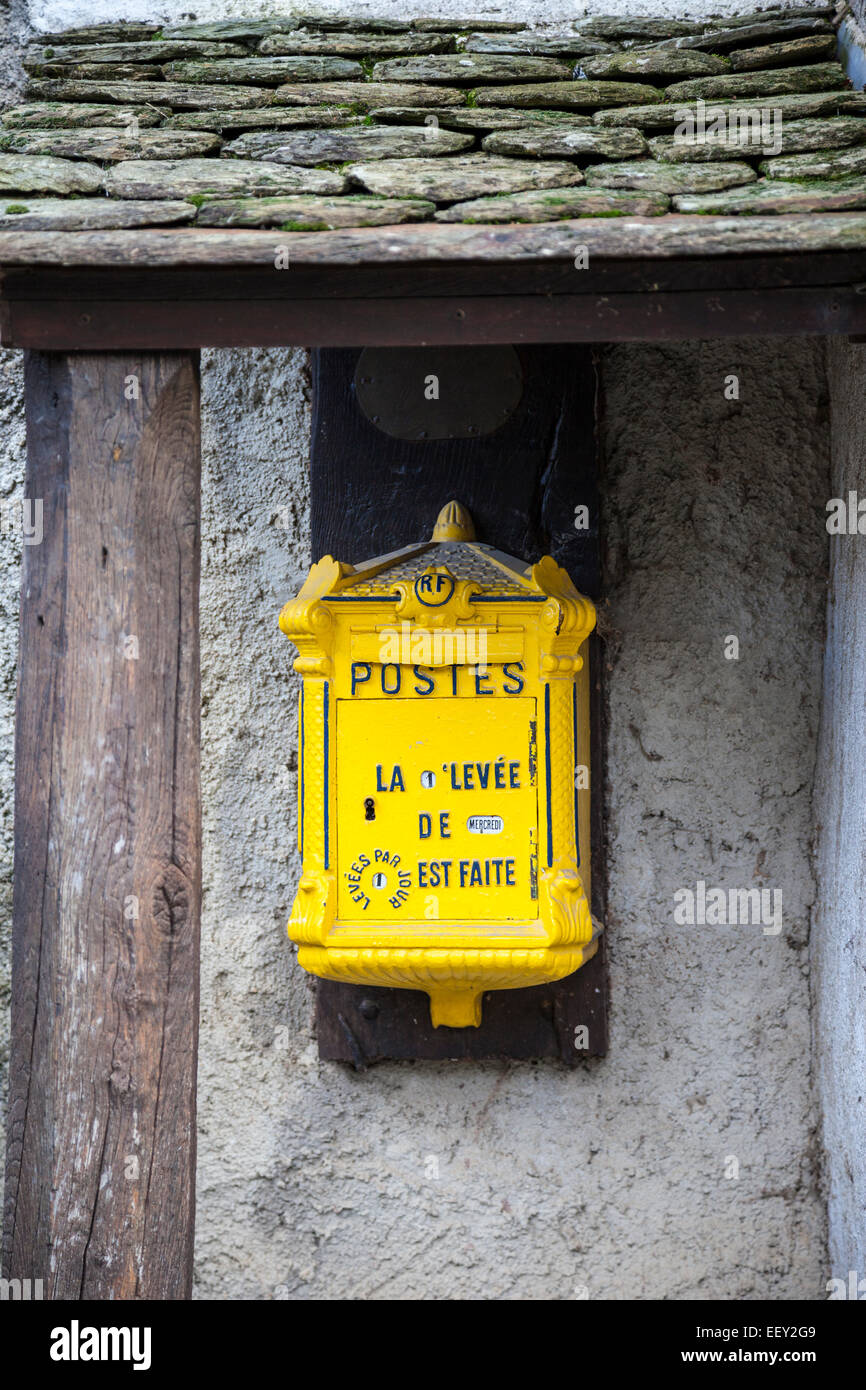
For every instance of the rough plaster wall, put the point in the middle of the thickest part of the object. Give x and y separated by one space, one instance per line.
839 953
530 1181
49 15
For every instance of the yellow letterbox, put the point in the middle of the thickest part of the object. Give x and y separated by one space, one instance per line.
443 787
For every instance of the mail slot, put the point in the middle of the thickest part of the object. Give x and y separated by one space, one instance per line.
443 788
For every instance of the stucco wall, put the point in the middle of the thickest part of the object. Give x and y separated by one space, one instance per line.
839 955
316 1182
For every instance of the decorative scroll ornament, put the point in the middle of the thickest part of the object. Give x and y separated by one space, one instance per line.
567 619
309 623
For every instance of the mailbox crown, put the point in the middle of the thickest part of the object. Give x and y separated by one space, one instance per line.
443 789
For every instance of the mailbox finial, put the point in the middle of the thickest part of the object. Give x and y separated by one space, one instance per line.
453 524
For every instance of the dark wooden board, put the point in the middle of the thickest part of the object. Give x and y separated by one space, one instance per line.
614 299
640 317
370 494
603 275
99 1196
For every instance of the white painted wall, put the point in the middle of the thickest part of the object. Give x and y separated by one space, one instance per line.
49 15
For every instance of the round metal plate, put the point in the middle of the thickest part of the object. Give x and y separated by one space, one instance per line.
438 392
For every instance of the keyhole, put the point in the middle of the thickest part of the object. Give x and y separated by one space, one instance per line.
369 808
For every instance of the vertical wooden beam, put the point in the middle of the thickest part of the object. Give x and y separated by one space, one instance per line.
99 1197
372 493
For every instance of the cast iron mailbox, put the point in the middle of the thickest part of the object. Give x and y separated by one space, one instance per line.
443 782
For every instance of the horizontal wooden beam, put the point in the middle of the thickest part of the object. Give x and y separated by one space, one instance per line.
542 276
617 317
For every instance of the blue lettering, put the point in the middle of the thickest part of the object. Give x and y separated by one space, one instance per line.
518 680
420 675
396 689
360 680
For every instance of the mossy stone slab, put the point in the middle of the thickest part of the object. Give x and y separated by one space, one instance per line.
654 65
179 96
814 49
761 138
311 213
196 178
311 147
110 145
70 115
569 95
775 196
652 176
90 214
829 164
536 45
248 31
158 51
366 96
770 12
555 205
358 45
460 26
94 72
33 173
454 180
617 27
265 72
341 23
471 68
670 114
127 31
485 118
265 118
538 143
818 77
732 35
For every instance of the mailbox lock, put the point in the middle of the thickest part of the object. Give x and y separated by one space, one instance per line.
453 656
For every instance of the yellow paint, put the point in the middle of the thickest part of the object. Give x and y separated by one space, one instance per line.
439 813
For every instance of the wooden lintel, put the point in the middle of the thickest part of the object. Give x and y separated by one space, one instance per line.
641 316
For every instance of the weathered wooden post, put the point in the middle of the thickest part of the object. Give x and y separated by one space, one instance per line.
99 1197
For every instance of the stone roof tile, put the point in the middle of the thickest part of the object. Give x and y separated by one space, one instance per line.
332 123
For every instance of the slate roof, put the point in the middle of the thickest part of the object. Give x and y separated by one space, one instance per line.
325 124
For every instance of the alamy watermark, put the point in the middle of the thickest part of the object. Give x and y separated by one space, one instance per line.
410 645
717 907
22 516
746 127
